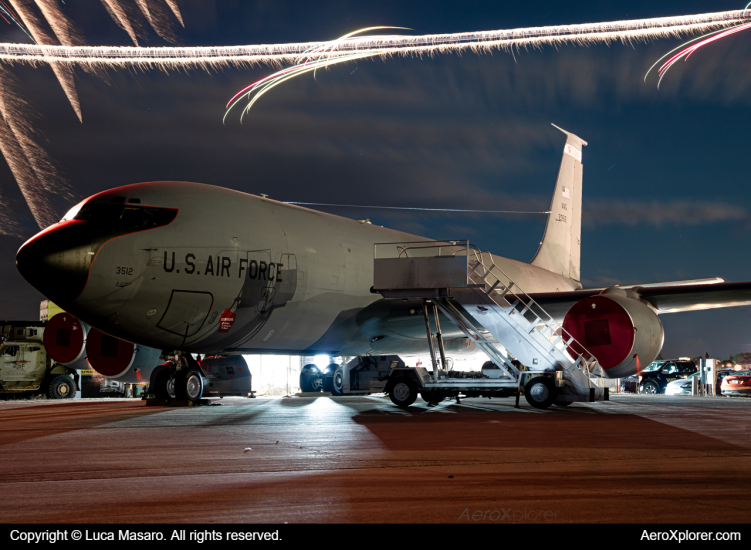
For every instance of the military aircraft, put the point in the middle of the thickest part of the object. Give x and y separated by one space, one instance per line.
192 268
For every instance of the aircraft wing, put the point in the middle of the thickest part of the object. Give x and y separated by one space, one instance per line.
666 298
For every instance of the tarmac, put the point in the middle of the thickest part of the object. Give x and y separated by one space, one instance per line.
634 459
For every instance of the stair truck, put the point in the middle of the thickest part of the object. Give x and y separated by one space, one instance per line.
463 283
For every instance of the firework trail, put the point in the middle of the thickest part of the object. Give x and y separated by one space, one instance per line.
120 17
158 18
64 29
176 10
10 17
30 164
684 51
627 32
18 117
311 60
63 73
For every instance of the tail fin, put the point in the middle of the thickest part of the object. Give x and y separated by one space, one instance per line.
560 249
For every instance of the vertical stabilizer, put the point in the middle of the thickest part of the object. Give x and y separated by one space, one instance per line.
560 249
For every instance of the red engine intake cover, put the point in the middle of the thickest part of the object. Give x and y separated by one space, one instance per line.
107 355
64 338
603 327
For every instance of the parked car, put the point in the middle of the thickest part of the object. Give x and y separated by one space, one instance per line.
657 376
720 377
630 384
737 384
681 386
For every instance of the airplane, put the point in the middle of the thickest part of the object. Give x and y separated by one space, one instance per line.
189 268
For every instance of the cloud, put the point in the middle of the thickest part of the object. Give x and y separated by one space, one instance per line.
659 214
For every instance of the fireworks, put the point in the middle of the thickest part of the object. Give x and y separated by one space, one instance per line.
31 166
11 17
156 14
66 49
276 54
120 17
684 51
311 60
63 73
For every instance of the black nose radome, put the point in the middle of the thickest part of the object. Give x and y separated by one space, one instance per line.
56 262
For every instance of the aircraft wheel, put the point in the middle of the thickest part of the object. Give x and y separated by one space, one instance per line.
188 385
62 387
162 382
310 379
651 387
337 382
540 392
328 377
403 394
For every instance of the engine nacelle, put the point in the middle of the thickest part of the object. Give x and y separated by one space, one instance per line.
65 338
116 359
622 333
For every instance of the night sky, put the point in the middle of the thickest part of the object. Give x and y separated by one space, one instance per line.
666 194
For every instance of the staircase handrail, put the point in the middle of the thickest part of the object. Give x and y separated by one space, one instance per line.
479 254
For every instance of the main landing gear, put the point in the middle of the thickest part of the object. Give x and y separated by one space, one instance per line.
179 378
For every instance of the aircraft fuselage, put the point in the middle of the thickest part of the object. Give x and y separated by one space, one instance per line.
175 265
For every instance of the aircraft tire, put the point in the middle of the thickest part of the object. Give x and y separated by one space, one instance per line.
328 377
189 385
161 380
337 382
403 394
310 378
540 392
61 387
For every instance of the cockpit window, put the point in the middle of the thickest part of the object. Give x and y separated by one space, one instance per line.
123 217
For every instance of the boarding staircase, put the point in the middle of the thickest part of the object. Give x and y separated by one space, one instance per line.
491 309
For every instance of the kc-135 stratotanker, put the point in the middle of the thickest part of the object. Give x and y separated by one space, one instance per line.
190 269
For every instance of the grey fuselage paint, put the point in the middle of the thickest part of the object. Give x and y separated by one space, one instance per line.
238 273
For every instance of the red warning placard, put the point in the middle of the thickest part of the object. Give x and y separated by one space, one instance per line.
226 320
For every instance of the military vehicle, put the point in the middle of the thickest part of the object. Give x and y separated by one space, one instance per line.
27 370
190 268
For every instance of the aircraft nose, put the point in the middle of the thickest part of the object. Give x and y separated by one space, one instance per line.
56 261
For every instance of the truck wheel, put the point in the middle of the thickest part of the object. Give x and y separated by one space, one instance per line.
540 392
337 382
188 385
61 387
403 394
651 387
310 379
432 397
